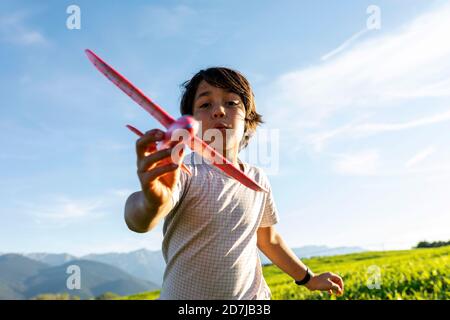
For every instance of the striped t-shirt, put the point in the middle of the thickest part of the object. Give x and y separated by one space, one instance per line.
209 242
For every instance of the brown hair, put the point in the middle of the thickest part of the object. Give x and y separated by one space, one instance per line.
228 79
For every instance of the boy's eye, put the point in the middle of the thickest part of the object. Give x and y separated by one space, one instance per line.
232 103
205 105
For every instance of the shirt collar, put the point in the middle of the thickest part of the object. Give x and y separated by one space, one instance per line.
196 159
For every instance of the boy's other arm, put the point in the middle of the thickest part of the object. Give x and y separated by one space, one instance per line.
273 246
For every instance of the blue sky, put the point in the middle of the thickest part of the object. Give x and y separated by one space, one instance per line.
362 116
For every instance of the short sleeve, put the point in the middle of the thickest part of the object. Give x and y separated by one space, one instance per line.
180 188
270 213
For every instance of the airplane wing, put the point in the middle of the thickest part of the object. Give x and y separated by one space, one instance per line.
134 93
216 159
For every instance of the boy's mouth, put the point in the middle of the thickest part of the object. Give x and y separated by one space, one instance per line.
222 126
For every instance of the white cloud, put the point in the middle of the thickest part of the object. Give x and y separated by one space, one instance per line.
55 211
60 210
344 45
318 139
122 193
385 70
420 156
63 210
382 127
353 129
14 30
359 163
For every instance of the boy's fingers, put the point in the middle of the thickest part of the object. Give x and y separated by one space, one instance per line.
178 152
335 288
148 140
159 171
150 149
147 162
337 279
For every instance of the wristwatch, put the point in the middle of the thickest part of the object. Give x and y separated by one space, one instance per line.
305 280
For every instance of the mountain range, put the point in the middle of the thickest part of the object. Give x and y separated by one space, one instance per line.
23 276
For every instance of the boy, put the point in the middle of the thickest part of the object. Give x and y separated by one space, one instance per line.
213 225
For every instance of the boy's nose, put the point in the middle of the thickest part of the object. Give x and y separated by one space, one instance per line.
219 112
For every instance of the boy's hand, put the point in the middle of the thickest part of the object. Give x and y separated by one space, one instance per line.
326 282
156 171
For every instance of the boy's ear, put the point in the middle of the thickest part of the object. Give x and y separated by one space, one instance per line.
246 138
249 133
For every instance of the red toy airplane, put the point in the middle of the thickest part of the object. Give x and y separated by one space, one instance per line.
185 122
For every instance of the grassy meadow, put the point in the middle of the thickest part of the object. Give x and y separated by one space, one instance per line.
406 274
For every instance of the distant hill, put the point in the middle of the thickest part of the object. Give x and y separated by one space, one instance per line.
318 251
24 278
149 265
52 259
14 271
145 264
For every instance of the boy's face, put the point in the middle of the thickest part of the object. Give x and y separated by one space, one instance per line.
222 113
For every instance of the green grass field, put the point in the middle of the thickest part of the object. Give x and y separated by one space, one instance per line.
406 274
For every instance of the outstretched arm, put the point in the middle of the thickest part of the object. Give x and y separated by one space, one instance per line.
274 247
